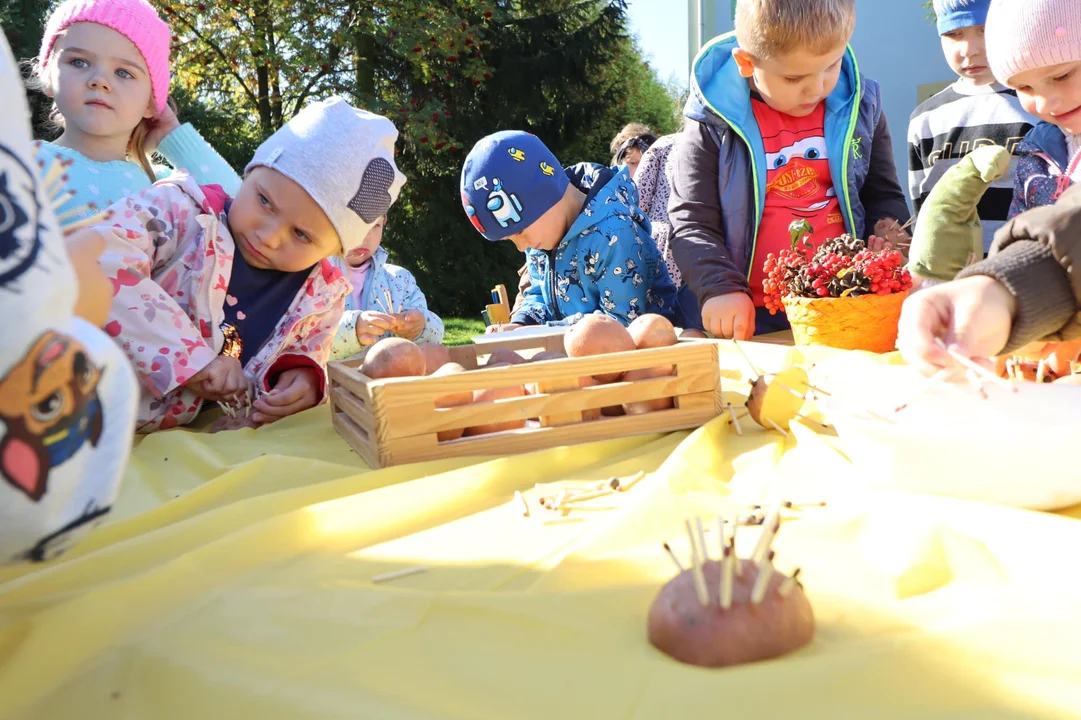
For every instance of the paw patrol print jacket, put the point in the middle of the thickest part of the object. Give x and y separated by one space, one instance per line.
67 393
606 263
170 256
405 295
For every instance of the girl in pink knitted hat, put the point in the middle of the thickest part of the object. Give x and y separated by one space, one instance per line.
1034 47
105 64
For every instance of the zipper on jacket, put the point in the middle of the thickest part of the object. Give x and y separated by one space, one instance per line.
552 283
848 143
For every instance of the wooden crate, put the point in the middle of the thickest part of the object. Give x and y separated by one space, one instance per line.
395 421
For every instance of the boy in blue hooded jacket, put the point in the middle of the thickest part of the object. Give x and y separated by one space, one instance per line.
781 126
588 246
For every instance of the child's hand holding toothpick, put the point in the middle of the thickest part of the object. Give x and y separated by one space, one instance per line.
372 325
409 324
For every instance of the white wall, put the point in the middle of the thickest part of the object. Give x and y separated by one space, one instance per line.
896 45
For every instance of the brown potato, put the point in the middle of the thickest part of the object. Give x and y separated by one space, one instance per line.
453 400
598 335
647 406
435 356
393 357
775 397
501 356
482 396
692 333
548 355
651 331
680 627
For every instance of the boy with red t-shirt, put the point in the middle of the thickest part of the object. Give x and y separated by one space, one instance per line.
781 126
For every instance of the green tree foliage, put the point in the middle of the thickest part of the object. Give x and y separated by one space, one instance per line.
23 22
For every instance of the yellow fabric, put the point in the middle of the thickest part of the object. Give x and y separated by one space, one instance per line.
235 582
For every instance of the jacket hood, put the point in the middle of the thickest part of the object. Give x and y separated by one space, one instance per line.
614 200
1047 139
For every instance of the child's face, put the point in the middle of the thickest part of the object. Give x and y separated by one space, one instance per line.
99 81
794 83
372 241
632 160
277 225
545 233
1052 94
967 55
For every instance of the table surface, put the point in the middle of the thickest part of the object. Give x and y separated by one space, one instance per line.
234 579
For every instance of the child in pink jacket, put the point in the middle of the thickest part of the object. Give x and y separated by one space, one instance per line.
234 300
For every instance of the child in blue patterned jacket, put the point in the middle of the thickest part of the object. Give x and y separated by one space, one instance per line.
385 300
587 244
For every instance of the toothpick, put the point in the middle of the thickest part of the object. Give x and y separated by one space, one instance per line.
74 212
672 555
583 496
789 583
770 528
819 390
975 367
735 420
98 219
696 568
798 394
777 427
747 357
765 570
1041 370
560 499
702 539
635 479
728 565
59 200
732 551
522 501
56 169
399 574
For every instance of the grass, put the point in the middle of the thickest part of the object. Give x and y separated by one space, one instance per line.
461 331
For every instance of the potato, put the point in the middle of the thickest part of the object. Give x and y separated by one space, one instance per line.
501 356
598 335
651 331
772 397
453 400
692 333
647 406
548 355
483 396
435 356
393 357
680 627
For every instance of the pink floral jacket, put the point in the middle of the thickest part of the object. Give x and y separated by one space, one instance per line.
169 256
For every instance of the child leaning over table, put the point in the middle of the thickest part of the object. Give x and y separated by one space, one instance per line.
219 299
67 393
1027 290
385 300
780 126
587 244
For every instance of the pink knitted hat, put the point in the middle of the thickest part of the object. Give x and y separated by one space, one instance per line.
1023 35
134 19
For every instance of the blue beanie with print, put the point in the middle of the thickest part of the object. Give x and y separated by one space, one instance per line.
956 14
509 180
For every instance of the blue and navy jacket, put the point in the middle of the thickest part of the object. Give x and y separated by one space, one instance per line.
606 263
1042 173
725 145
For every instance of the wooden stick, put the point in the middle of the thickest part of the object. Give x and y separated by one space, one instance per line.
702 539
522 501
1041 371
765 570
590 495
777 427
747 357
769 529
399 574
735 420
59 200
98 219
635 479
728 565
790 583
560 499
56 169
819 390
696 568
798 394
732 549
672 555
980 370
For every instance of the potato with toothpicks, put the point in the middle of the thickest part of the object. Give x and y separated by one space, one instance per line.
778 398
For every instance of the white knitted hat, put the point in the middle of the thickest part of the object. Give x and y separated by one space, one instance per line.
344 158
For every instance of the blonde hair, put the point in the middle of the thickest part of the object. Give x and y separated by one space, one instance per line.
136 150
768 28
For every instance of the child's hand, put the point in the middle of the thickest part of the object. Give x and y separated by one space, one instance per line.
160 127
296 390
973 316
222 379
95 291
501 328
410 324
729 316
372 325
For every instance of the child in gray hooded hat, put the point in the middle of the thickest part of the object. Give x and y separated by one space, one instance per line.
234 300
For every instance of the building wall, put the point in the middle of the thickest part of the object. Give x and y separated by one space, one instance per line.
895 44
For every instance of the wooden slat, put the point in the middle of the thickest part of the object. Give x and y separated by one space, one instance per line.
417 449
362 445
358 413
400 422
698 401
555 386
348 377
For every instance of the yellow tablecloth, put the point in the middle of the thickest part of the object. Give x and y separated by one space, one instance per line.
235 582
